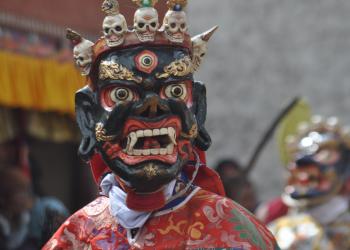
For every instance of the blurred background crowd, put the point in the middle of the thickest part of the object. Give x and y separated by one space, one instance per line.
265 53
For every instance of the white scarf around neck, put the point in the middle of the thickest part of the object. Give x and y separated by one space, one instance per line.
127 217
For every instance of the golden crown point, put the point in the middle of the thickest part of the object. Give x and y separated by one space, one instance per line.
73 36
110 7
173 3
145 3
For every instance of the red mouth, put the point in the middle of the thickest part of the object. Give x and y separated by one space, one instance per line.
310 178
147 141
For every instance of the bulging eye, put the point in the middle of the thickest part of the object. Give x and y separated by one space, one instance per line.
114 95
121 95
176 91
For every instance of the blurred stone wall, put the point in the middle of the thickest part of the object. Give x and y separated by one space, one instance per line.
265 53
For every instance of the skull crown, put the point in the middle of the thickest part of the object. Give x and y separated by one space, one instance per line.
146 23
114 29
146 29
175 21
82 51
114 25
83 56
175 26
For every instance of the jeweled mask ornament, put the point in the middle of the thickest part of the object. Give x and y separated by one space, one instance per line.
142 114
321 162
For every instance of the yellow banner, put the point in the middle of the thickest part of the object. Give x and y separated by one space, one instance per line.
39 84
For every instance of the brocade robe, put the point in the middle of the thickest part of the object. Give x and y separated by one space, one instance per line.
203 220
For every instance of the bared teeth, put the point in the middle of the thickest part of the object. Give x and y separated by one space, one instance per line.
128 143
139 133
156 132
136 152
155 151
148 133
163 151
146 152
172 135
170 149
133 138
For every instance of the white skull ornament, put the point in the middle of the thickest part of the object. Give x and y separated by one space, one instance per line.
114 29
175 25
200 46
146 24
82 54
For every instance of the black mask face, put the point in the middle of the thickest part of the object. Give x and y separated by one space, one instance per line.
142 118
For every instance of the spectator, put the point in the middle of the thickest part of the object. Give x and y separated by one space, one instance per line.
237 186
26 222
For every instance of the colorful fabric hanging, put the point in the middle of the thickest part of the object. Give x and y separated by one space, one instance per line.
39 84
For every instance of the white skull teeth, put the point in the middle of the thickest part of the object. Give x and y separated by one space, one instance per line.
146 24
112 42
145 37
114 29
176 38
133 138
175 25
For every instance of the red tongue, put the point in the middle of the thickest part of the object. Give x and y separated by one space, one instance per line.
150 142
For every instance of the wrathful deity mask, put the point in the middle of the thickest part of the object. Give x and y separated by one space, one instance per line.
147 124
320 154
142 114
142 119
